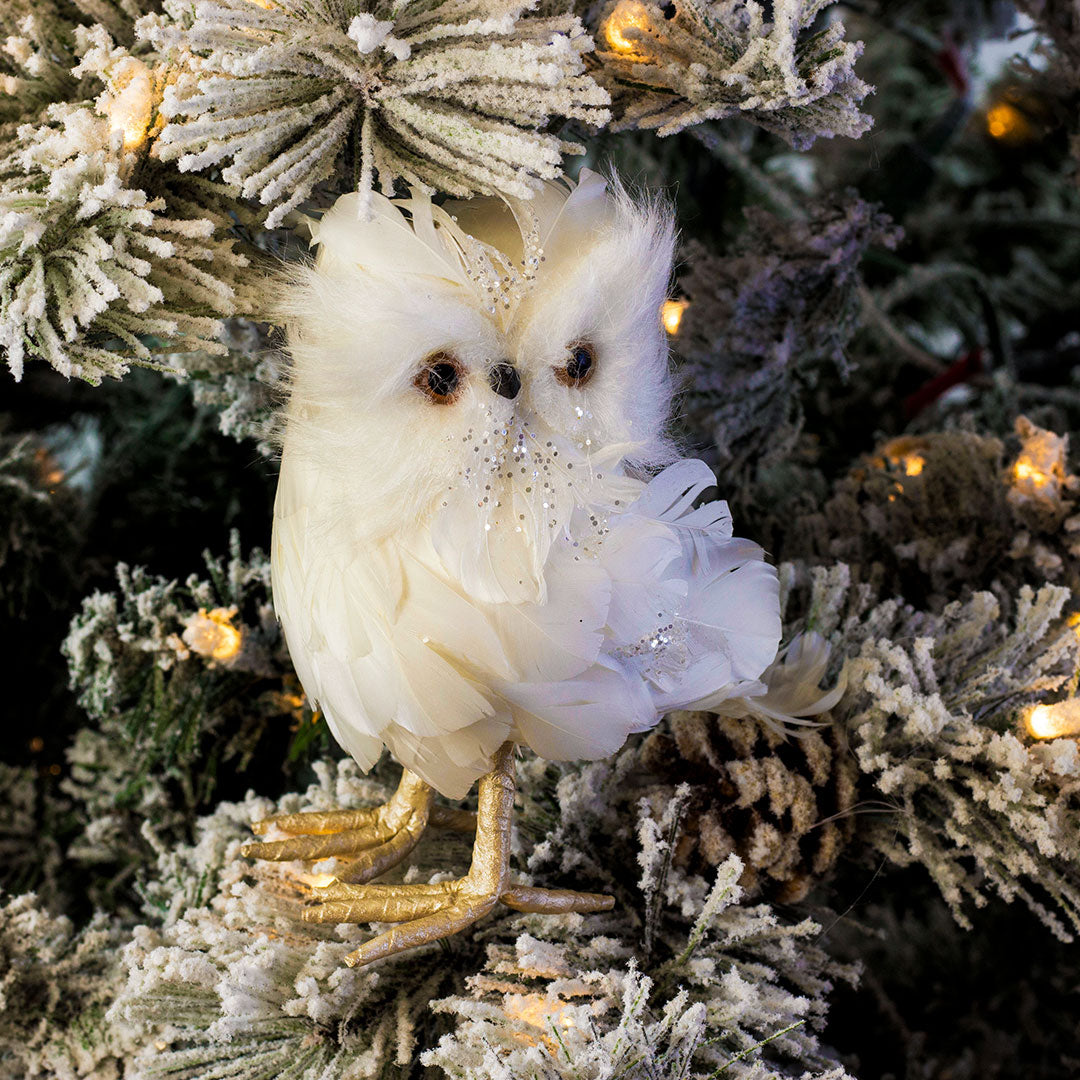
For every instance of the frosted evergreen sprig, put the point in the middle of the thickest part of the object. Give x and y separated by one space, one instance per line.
738 995
95 272
39 52
225 979
30 854
928 516
107 257
456 96
36 58
935 714
56 982
671 66
177 679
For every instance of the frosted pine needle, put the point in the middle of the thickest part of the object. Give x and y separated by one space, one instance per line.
936 713
106 257
451 96
713 61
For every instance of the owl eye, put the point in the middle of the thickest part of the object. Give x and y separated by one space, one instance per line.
579 367
440 378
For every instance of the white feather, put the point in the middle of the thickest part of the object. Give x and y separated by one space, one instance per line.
450 576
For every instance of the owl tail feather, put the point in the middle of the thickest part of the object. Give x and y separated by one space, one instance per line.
789 691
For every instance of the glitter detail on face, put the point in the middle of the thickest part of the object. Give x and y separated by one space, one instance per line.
529 481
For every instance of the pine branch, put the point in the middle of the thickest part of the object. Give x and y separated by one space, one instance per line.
672 66
106 257
456 96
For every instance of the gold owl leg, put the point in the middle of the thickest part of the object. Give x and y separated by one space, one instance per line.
374 839
430 912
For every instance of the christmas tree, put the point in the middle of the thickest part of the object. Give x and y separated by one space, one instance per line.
875 340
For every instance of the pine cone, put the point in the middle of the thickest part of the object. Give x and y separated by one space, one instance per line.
780 803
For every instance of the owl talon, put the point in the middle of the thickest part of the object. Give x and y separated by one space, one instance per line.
345 903
385 856
319 822
446 921
384 835
526 898
427 913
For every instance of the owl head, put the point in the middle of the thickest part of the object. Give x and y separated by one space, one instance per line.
443 355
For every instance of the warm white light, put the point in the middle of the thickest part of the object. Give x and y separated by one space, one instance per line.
129 101
1007 122
627 15
1039 471
538 1012
671 313
913 464
211 633
1054 721
1024 470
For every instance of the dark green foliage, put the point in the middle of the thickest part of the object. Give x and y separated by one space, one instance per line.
40 515
180 705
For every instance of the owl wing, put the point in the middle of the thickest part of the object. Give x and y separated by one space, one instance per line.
389 651
716 597
693 619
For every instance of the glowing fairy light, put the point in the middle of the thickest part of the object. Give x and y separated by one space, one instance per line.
1006 123
905 456
129 102
1038 480
1054 721
626 15
540 1013
1027 472
212 634
671 313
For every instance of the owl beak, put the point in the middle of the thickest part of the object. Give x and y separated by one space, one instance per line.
504 380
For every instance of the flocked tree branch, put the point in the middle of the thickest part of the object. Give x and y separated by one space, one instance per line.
106 256
671 66
449 96
936 712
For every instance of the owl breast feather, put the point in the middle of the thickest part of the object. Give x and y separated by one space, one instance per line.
564 617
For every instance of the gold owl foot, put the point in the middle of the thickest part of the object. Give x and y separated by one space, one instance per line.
430 912
374 839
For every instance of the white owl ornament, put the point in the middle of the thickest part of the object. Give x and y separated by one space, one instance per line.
482 536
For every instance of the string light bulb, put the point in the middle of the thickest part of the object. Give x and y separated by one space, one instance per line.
1054 721
905 455
212 634
128 103
1025 470
1005 121
1016 119
538 1012
1038 476
671 313
626 15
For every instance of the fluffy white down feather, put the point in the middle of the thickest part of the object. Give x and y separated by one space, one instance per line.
450 576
